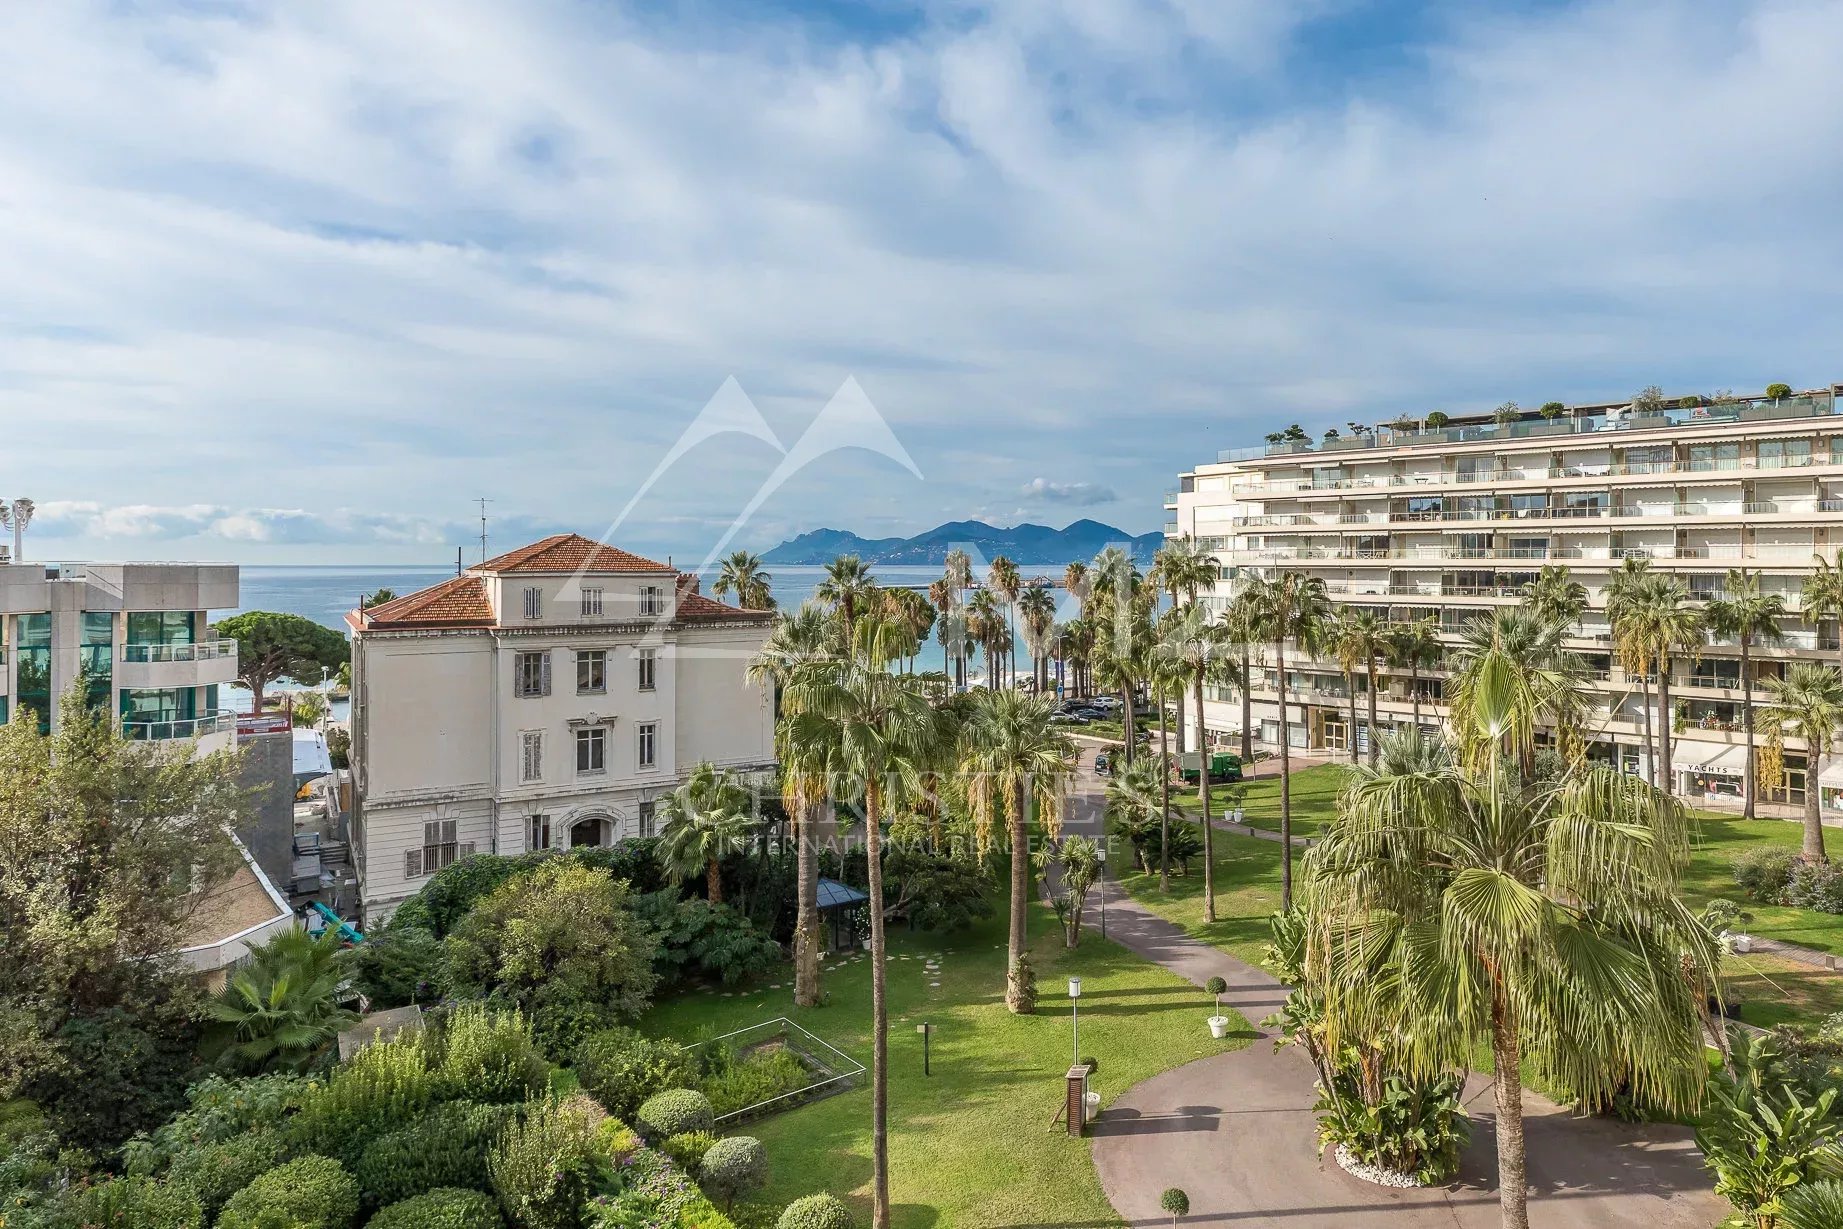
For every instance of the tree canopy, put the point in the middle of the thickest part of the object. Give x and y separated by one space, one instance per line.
272 645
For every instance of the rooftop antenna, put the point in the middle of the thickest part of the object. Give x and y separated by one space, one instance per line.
482 501
18 514
458 566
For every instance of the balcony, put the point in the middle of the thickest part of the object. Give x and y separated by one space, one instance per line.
222 720
202 650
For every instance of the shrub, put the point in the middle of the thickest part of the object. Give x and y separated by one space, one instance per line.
1175 1201
212 1173
1216 987
737 1083
699 941
400 965
385 1087
1507 412
1552 410
446 1147
312 1192
560 1028
489 1056
1815 885
657 1193
443 1208
140 1202
822 1211
676 1111
621 1068
452 891
1763 873
1415 1127
735 1165
1438 419
687 1150
1778 392
543 1167
220 1109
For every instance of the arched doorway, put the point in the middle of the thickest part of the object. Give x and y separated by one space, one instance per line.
586 832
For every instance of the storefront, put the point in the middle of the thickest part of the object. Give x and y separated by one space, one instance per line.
1710 773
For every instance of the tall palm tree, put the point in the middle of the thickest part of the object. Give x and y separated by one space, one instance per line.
1662 624
1239 625
1513 650
742 574
1036 618
1557 596
1283 607
801 639
1750 617
1808 701
1624 597
1343 645
847 587
702 820
883 735
957 572
1075 580
1545 924
1122 649
1368 634
946 604
1003 579
1016 767
1415 646
1183 569
1822 598
912 609
1078 652
1198 653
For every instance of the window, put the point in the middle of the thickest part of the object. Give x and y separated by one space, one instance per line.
649 599
439 849
592 750
591 603
649 743
649 663
591 672
537 832
648 825
531 755
534 603
531 674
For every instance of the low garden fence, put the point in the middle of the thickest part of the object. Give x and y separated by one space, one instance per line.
832 1070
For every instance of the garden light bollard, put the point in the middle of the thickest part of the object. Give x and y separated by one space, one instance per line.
926 1030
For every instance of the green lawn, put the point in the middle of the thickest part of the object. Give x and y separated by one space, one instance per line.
1720 839
1247 893
1772 990
971 1145
1314 791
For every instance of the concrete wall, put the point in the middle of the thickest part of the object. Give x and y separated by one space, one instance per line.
268 771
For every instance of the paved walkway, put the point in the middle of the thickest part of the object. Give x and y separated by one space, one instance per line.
1238 1134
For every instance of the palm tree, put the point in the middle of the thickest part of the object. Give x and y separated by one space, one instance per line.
913 610
957 572
1822 598
1538 667
1546 924
1138 802
1198 653
1078 652
1015 764
1183 569
281 1010
1808 701
1238 624
1751 617
1003 580
1414 647
847 587
703 819
803 638
1075 580
1624 596
1037 617
1122 651
1288 606
742 575
1661 624
947 607
377 597
878 730
1557 596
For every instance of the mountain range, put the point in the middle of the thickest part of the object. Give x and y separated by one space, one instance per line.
1035 545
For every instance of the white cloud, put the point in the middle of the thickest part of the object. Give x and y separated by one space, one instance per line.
1081 494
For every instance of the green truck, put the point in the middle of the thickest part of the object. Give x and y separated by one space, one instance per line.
1222 767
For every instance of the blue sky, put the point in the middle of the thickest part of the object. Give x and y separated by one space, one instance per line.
292 283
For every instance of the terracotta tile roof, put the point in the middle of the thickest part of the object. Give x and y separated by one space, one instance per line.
460 602
569 552
697 606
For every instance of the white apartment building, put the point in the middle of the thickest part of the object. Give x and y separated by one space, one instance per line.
1415 522
544 698
134 633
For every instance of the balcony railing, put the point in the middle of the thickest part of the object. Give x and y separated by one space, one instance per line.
1589 553
1618 469
182 727
202 650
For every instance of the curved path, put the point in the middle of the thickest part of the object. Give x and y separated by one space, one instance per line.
1238 1134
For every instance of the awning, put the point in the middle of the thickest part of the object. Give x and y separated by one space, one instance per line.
832 894
1832 775
1699 759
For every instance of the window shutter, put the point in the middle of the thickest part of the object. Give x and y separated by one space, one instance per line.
544 675
432 832
412 863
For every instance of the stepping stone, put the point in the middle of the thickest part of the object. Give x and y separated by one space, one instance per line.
934 983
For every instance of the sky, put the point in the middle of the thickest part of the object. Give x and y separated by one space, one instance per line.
295 283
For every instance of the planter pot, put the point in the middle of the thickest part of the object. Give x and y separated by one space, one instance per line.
1090 1105
1218 1027
1741 944
866 944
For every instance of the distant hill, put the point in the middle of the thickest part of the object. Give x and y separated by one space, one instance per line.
1035 545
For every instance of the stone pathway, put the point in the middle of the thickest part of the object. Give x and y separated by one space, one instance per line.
1237 1132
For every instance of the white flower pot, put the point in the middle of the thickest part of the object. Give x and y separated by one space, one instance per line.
1740 943
1218 1027
1091 1105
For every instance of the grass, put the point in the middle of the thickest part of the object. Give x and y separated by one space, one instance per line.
1772 990
972 1145
1719 840
1247 893
1315 791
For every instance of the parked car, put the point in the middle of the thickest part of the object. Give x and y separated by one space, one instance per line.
1068 719
1102 764
1107 702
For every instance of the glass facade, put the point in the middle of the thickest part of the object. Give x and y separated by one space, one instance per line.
32 645
161 627
168 712
96 660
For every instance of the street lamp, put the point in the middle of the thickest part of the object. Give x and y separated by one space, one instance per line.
1075 1018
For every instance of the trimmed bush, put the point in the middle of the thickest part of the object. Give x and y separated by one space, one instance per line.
1814 885
621 1068
489 1056
312 1192
676 1111
822 1211
657 1193
543 1167
212 1173
736 1165
1763 873
384 1088
140 1202
443 1208
446 1147
687 1150
1175 1201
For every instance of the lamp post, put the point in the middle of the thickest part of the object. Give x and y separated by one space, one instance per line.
1075 1018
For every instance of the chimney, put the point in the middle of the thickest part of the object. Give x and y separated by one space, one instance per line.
687 583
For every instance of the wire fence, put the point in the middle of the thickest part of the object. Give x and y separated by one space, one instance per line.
833 1070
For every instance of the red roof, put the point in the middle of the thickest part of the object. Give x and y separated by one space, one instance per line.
460 602
569 552
697 606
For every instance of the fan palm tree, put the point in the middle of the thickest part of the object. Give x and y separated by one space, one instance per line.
1624 595
946 604
1078 652
848 588
1238 624
1003 580
1283 607
1555 595
705 818
1122 651
281 1010
742 575
1660 624
1414 647
1808 702
1198 653
1822 598
957 572
1075 580
1139 804
1546 924
377 597
1183 569
1016 767
1037 617
1513 649
878 735
801 639
1746 615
